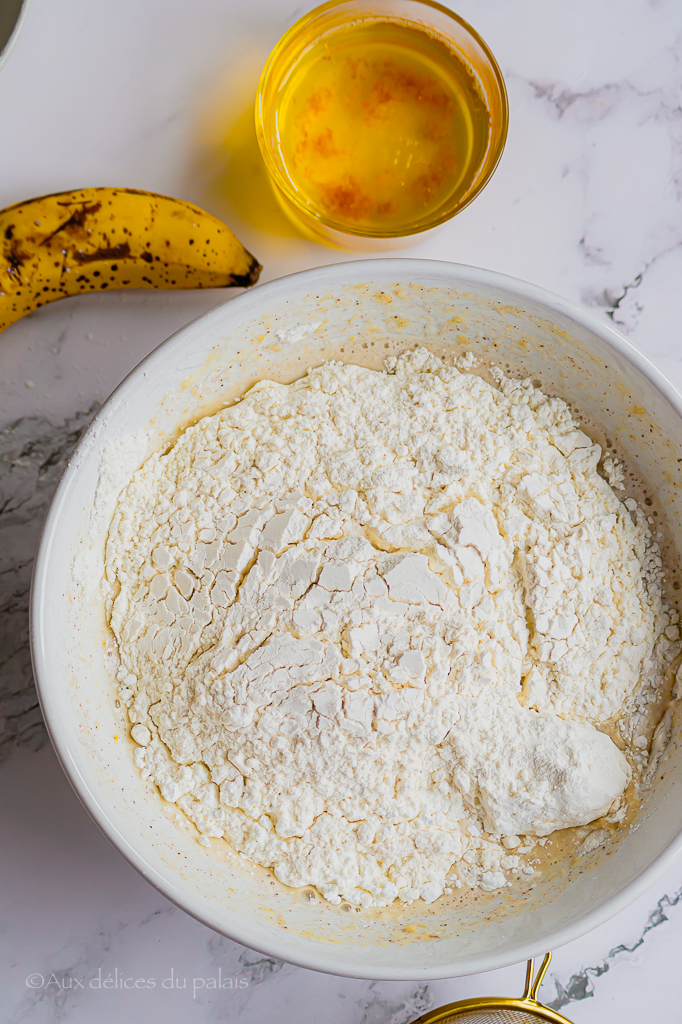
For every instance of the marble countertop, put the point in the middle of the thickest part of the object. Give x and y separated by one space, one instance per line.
156 94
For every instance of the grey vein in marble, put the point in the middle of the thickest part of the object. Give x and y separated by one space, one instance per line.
648 99
33 454
379 1008
593 105
257 969
62 985
581 986
610 299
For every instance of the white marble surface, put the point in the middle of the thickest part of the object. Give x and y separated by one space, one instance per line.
156 94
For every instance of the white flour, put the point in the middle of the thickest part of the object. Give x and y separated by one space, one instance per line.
370 625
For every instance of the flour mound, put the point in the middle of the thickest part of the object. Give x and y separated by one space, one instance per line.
372 626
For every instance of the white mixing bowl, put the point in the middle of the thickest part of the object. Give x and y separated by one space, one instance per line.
358 312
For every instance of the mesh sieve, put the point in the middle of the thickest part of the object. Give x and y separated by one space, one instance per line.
501 1015
500 1011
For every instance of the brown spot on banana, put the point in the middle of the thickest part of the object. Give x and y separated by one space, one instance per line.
97 238
114 252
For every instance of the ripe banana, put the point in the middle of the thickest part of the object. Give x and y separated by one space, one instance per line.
97 238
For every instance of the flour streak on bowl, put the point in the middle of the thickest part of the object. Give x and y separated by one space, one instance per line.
357 312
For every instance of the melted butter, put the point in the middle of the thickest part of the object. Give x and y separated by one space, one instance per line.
381 125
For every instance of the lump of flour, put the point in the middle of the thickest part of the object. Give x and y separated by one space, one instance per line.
532 774
373 627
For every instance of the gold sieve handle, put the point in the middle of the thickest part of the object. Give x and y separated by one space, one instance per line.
533 986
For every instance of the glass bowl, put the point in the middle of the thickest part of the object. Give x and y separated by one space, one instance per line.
467 48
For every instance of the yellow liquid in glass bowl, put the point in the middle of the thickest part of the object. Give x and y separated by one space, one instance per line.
381 126
379 120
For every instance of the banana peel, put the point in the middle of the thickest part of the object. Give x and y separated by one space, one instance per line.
93 239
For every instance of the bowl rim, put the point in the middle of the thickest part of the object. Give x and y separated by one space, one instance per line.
270 295
11 40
